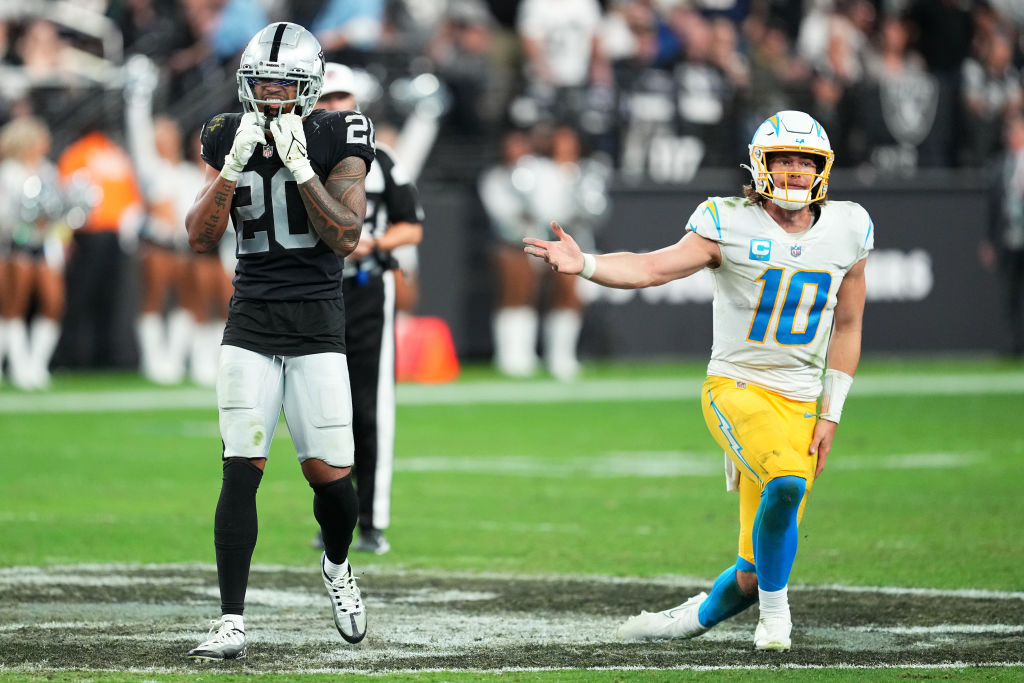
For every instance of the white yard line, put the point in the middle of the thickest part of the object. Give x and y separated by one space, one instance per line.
499 392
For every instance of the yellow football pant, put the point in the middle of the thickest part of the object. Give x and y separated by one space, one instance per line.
766 435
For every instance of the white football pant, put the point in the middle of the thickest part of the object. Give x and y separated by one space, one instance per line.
313 390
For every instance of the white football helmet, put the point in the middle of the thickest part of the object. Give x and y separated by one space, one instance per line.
286 52
790 131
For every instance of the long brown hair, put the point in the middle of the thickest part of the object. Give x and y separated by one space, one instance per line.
752 195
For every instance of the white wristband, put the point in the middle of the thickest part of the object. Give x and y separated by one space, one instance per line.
589 266
231 170
303 173
834 388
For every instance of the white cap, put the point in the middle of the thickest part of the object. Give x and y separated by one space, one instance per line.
339 78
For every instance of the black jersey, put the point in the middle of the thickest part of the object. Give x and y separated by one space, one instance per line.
280 256
391 197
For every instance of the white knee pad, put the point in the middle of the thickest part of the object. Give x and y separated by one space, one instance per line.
318 408
249 398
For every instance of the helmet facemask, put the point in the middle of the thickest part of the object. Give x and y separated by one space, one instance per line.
282 52
790 132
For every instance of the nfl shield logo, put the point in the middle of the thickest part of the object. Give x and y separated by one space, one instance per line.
796 250
268 151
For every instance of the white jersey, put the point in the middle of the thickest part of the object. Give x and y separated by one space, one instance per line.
565 30
775 292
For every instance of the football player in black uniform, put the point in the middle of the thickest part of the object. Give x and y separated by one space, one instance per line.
394 218
292 179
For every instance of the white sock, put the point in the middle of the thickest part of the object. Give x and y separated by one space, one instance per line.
19 356
561 335
181 329
45 333
236 620
204 353
774 602
335 570
515 336
149 329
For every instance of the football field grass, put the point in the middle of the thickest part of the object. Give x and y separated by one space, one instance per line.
529 519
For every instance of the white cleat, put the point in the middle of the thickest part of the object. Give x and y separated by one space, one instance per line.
226 641
677 623
347 604
773 632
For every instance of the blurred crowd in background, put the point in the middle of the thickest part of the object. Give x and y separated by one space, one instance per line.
652 91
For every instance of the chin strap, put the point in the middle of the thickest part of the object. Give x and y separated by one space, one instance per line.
788 205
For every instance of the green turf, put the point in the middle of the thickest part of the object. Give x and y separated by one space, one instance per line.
142 486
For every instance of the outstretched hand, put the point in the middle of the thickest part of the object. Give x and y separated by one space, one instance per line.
563 255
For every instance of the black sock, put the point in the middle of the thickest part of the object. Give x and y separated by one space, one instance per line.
336 507
234 531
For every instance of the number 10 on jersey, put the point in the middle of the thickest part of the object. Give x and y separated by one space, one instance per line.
786 330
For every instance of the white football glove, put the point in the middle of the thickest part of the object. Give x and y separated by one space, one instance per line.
249 134
290 140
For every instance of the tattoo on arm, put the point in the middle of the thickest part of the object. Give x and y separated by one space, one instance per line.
214 206
336 208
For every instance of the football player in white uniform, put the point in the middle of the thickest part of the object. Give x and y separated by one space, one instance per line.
298 210
789 282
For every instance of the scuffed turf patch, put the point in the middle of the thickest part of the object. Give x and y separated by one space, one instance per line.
144 618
